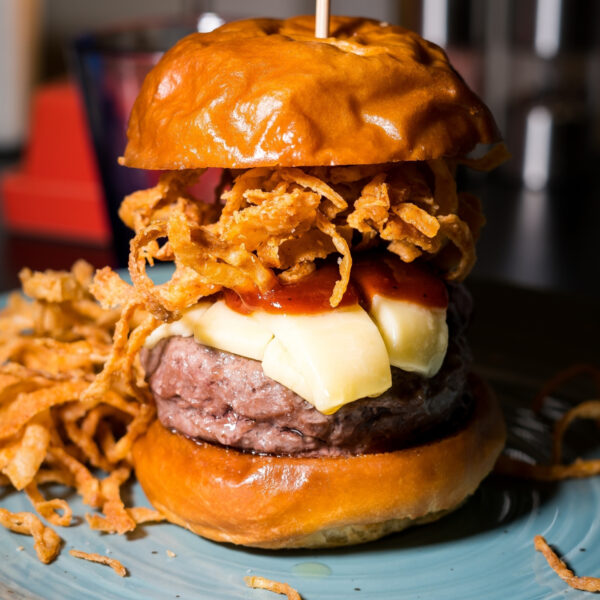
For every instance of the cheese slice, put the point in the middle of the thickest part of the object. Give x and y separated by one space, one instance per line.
183 327
279 364
330 359
416 337
225 329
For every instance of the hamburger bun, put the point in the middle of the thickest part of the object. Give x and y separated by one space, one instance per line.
368 94
378 102
286 502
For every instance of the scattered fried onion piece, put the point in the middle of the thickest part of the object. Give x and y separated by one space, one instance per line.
142 514
52 286
113 563
26 406
261 583
556 471
87 485
21 459
110 290
515 467
49 508
45 540
562 377
70 399
116 519
589 409
586 584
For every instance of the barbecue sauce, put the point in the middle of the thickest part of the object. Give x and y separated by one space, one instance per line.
308 296
371 275
397 280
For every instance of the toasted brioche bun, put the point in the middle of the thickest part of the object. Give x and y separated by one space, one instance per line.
285 502
265 92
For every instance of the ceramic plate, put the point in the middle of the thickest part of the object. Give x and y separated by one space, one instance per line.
483 550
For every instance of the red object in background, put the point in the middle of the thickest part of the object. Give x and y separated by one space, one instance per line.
57 192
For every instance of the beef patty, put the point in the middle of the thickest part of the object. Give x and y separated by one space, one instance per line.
223 398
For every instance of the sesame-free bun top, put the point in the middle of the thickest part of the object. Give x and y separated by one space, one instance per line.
265 92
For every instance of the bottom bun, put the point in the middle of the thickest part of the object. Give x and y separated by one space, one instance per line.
287 502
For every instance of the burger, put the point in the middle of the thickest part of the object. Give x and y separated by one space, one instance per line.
307 357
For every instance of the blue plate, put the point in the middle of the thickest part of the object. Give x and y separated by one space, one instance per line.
483 550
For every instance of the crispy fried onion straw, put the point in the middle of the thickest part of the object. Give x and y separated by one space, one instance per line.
72 398
273 224
557 470
276 587
113 563
45 541
586 584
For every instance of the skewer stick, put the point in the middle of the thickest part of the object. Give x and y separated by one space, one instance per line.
322 19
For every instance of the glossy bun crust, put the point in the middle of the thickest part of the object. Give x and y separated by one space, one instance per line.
284 502
265 92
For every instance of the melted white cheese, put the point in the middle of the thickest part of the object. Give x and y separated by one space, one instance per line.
330 358
184 327
225 329
415 336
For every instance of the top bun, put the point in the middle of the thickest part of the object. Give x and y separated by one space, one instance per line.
265 92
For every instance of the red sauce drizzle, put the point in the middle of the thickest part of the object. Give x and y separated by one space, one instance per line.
373 274
308 296
390 277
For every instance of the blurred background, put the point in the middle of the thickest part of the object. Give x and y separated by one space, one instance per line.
70 71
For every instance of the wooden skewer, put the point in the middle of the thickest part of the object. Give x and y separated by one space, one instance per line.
322 19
